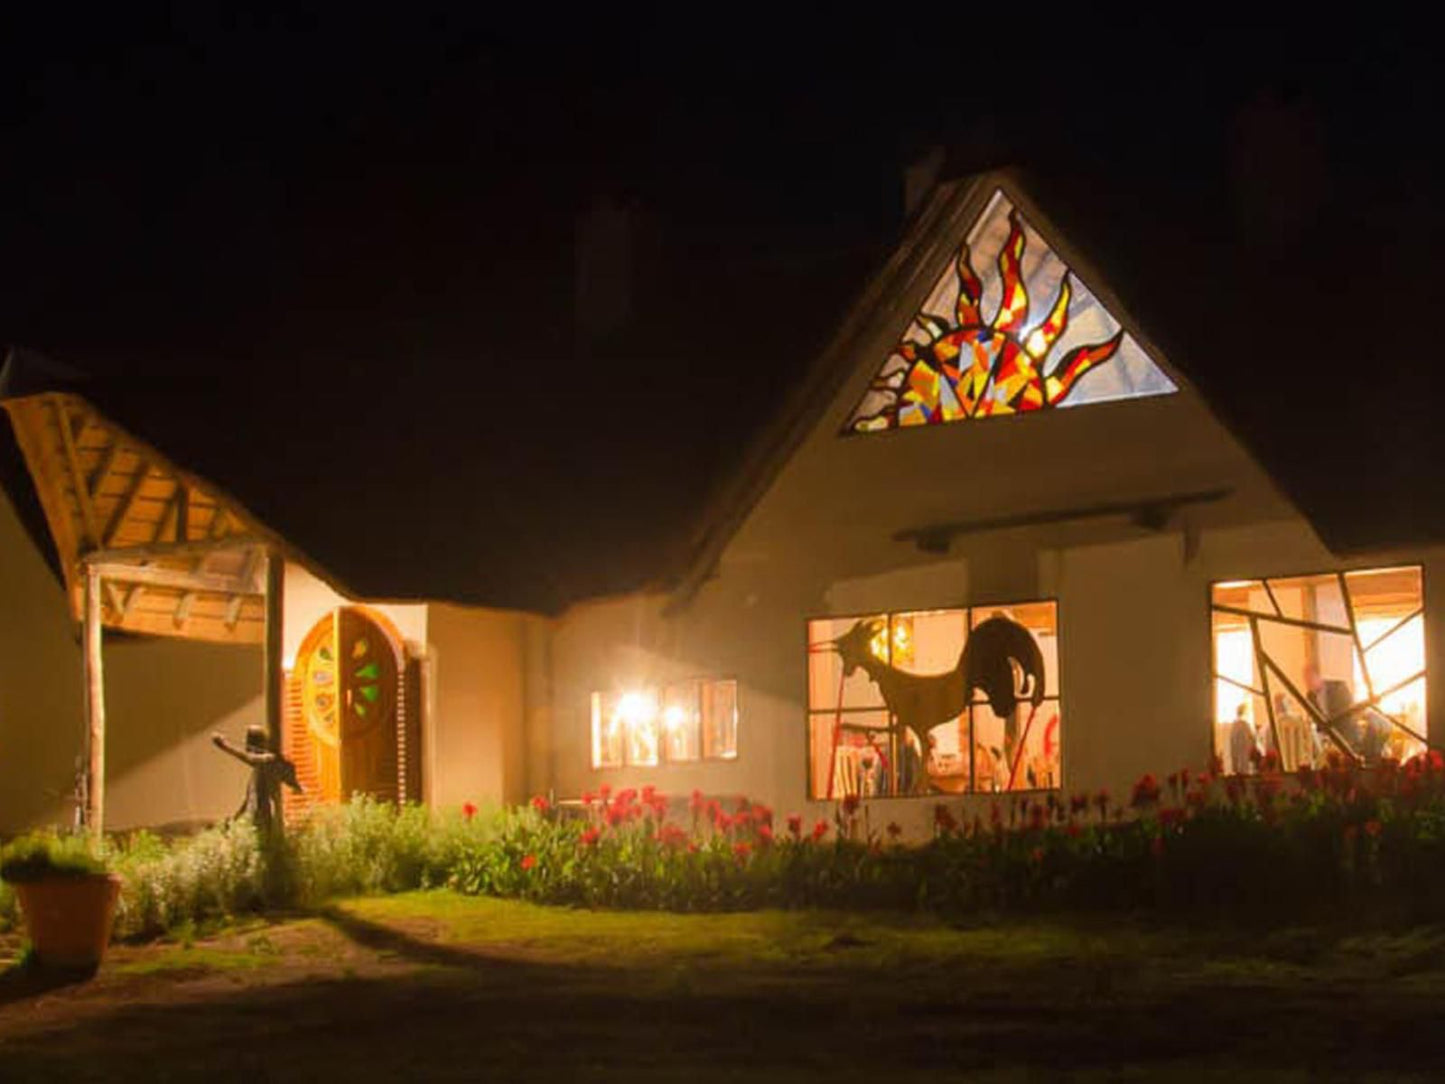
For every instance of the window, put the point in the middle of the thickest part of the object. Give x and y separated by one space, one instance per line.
954 363
1308 664
685 721
934 702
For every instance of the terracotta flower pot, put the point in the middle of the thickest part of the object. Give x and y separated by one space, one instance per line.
69 918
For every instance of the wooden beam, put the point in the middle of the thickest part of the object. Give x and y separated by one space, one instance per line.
127 501
178 578
103 467
172 549
77 479
183 512
233 610
94 812
164 522
183 609
273 671
112 596
213 532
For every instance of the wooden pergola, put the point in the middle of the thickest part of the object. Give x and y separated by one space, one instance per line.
145 548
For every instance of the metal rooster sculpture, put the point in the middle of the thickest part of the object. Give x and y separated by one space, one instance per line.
921 702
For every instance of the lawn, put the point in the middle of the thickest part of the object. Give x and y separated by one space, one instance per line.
439 986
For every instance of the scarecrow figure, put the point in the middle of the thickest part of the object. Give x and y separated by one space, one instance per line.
268 771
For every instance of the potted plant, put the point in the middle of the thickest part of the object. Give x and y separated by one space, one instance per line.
67 895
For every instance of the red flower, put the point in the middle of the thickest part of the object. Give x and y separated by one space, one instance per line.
528 862
648 793
763 815
625 796
765 834
1171 816
1078 803
1036 855
741 851
588 798
468 810
1146 792
604 791
1073 831
590 837
616 816
850 805
541 805
672 836
819 831
1372 828
696 803
795 825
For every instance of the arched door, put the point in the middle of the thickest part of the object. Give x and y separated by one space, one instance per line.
348 671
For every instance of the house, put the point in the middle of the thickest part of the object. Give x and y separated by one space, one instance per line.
996 541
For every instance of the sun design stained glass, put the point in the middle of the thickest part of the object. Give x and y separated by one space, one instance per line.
1007 329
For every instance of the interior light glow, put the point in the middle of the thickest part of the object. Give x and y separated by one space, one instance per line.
636 708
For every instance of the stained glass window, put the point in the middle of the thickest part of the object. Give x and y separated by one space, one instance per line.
1307 665
1008 328
681 722
934 702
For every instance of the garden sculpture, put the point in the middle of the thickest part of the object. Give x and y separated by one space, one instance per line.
268 771
920 702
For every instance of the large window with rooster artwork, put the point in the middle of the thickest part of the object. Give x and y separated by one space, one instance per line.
1008 328
1310 666
932 702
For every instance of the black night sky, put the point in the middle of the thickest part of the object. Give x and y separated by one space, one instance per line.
334 262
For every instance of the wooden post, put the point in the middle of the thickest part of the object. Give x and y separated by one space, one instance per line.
94 812
275 677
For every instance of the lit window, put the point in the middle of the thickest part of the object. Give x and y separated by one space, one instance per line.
934 702
1007 329
682 722
1308 664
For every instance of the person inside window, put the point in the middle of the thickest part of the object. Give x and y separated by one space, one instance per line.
1332 698
1243 748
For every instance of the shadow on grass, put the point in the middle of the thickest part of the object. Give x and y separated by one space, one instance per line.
468 1014
28 978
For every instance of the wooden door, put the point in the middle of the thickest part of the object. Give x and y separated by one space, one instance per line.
368 670
347 737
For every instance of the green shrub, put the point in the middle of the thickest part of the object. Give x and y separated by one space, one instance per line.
8 913
39 855
1265 848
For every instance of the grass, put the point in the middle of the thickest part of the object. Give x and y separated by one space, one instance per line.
438 986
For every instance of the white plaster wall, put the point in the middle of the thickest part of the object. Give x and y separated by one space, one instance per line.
163 700
477 746
308 599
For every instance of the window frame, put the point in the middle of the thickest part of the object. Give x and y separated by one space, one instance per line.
968 608
1339 571
663 760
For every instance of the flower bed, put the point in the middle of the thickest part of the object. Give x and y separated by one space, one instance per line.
1267 847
